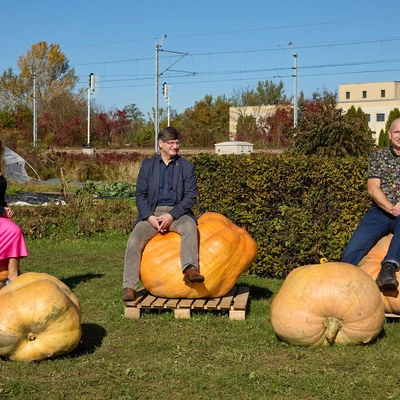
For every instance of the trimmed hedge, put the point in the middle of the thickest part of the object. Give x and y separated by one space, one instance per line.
299 209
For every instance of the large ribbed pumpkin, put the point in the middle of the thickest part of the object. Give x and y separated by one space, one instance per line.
326 304
225 252
40 317
371 264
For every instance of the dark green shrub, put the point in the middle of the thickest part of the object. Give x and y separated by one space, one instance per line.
298 209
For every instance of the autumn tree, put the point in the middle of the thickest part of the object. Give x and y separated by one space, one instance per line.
206 123
45 71
11 91
109 129
279 126
324 129
53 76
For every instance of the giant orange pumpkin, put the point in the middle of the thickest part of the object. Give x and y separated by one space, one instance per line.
40 317
371 264
3 270
225 252
326 304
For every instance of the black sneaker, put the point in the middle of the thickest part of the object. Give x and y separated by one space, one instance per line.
386 279
5 283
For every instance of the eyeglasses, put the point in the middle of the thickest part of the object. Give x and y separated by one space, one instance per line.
172 142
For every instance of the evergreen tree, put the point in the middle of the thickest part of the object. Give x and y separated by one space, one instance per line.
383 140
394 114
265 93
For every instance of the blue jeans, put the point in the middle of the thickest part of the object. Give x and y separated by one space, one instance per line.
375 225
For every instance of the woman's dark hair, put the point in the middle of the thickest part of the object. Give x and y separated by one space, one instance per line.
2 161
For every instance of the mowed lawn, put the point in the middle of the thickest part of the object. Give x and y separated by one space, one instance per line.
205 357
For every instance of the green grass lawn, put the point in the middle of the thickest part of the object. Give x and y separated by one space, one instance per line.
205 357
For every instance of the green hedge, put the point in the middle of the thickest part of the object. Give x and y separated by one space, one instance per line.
298 209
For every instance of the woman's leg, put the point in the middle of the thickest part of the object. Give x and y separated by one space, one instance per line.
13 268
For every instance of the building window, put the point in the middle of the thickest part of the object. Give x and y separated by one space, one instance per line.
368 117
347 95
380 117
383 93
364 94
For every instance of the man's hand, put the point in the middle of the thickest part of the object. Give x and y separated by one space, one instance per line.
164 221
396 210
153 222
161 223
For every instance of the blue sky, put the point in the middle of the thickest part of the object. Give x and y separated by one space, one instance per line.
212 47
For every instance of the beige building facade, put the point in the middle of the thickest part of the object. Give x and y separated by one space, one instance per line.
376 99
257 112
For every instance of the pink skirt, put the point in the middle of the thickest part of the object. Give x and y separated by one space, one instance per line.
12 242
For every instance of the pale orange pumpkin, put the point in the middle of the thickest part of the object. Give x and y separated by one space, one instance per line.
40 317
225 252
371 264
327 303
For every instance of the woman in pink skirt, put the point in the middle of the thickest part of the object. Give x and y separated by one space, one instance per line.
12 242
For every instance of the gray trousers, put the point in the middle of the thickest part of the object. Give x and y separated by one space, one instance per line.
144 231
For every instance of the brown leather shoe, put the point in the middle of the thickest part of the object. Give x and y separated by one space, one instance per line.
129 295
192 275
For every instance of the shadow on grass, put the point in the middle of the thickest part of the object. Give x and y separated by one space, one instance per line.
258 292
74 281
92 339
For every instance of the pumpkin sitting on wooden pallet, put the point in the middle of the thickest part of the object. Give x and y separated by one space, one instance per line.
40 318
326 304
371 264
225 252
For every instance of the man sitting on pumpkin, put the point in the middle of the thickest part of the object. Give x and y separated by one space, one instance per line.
166 190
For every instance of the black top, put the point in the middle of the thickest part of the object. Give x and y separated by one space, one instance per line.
3 188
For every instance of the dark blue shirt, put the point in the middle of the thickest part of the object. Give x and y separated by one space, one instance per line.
166 196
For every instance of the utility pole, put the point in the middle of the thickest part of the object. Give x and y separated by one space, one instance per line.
90 91
295 84
34 109
156 125
157 76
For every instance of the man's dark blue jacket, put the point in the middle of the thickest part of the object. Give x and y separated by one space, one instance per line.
184 186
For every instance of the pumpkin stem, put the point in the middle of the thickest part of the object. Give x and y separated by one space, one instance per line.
31 337
333 326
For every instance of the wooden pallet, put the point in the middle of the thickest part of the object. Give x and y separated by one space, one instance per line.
388 315
235 301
